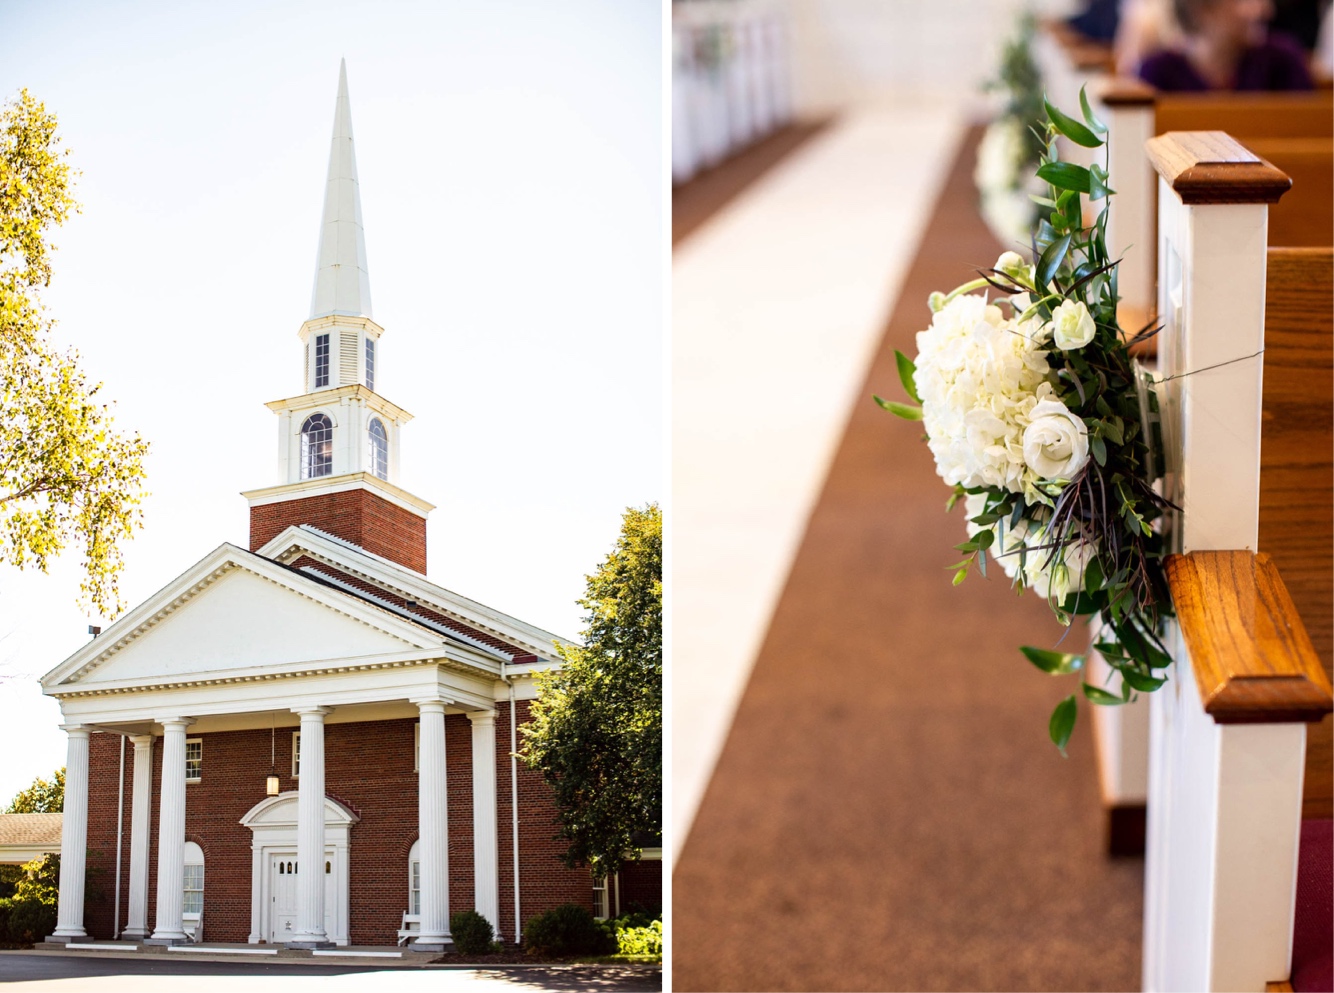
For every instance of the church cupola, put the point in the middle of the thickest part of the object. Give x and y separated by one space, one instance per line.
338 440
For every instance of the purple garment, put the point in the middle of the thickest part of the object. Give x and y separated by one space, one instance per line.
1278 64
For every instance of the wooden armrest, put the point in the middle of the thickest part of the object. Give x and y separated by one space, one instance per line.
1252 658
1213 167
1126 91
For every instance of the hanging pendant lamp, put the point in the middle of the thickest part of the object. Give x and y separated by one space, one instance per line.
272 786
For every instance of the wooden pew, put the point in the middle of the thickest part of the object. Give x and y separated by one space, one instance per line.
1246 420
1294 131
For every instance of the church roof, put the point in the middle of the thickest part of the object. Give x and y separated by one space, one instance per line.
342 279
31 830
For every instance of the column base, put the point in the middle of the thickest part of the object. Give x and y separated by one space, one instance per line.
134 934
434 945
64 939
168 938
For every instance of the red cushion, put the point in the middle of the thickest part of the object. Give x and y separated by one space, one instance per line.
1313 928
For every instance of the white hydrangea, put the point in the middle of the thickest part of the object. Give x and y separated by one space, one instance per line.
979 377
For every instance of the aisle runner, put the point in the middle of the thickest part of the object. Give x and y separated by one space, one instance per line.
777 305
888 813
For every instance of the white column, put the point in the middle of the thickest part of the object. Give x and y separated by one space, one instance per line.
485 850
171 835
141 809
433 829
309 932
73 837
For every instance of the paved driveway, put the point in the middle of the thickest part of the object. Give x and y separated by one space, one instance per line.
54 972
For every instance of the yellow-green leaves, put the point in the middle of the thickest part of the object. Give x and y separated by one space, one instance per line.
66 475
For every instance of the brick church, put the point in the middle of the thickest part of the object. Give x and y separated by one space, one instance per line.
306 742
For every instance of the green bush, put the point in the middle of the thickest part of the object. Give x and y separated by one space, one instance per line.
568 930
31 920
640 940
472 932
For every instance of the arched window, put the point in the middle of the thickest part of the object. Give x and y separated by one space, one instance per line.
415 879
379 452
316 446
194 880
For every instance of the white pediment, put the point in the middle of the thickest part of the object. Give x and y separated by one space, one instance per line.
235 611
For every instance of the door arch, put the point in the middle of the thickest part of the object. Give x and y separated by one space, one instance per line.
272 823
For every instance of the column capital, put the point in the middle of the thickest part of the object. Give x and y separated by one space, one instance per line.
311 712
183 722
141 740
432 704
76 730
482 716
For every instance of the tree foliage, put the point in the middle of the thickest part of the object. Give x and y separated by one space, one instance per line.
42 797
65 474
596 729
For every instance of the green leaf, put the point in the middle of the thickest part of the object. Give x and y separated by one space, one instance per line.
1112 429
960 576
1062 722
983 539
1071 128
1092 120
905 410
1098 187
1139 681
1051 260
1093 576
1065 176
1053 663
1099 448
906 370
1101 697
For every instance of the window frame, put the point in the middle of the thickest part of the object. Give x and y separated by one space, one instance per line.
375 448
296 754
369 361
200 766
186 889
414 878
322 341
307 445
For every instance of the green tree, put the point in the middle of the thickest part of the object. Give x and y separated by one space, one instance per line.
596 728
42 797
65 474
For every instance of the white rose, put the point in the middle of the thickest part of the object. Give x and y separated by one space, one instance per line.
1072 325
1056 443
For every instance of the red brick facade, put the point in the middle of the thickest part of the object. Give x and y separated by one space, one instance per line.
357 515
368 769
640 886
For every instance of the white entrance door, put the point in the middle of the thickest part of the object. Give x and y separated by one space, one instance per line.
283 874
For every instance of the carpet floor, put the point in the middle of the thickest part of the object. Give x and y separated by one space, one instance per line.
887 812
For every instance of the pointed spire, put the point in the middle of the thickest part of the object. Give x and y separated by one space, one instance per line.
342 281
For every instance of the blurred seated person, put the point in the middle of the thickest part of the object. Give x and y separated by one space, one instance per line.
1145 27
1225 45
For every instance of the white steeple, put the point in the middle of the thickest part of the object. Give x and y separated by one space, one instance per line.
342 280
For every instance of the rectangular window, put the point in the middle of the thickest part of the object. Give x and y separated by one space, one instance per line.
601 904
416 894
321 360
194 890
370 364
416 747
194 759
296 754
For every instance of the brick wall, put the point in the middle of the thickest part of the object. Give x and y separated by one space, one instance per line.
544 881
641 885
359 516
369 769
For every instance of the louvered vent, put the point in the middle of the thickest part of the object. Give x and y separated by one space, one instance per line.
305 371
347 358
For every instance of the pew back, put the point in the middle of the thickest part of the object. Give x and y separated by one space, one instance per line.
1297 466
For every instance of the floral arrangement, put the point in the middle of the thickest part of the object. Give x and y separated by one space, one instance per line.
1010 150
1036 415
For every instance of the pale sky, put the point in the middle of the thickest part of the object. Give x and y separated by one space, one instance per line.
511 172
